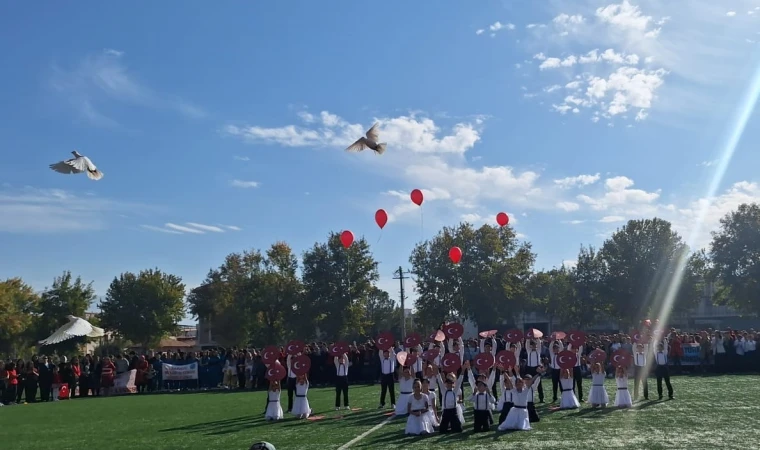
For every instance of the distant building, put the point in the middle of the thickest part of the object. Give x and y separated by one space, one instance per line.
204 334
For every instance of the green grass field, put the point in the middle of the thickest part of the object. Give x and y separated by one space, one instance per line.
708 412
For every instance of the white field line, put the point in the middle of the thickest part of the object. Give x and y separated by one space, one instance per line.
366 433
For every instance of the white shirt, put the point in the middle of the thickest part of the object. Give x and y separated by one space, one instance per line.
553 356
661 358
750 345
739 346
534 358
341 368
640 358
482 400
718 346
388 366
449 399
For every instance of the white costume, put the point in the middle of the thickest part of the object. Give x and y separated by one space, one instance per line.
623 396
301 402
517 419
274 409
405 392
418 424
568 399
598 395
432 417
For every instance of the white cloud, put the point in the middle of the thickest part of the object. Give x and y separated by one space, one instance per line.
420 135
34 210
242 158
496 26
203 227
568 206
479 32
580 180
306 116
618 195
160 230
566 19
244 184
569 263
102 78
232 227
731 13
573 222
708 163
612 219
183 229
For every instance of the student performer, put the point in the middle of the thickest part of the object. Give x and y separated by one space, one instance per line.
341 380
387 383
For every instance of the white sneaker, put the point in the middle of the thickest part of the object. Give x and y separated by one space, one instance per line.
348 407
337 408
393 406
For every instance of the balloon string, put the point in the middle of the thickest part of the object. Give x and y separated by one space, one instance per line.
422 226
379 237
348 275
461 294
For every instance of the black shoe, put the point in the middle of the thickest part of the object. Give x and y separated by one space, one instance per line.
661 397
670 397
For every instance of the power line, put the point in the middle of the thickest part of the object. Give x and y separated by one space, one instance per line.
401 276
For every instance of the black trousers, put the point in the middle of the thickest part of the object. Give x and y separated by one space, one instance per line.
640 376
387 385
662 373
418 375
532 413
45 391
10 393
481 420
31 391
341 387
504 411
450 421
555 383
578 378
533 371
291 392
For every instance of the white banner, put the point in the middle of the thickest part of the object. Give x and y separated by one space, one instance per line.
125 383
171 372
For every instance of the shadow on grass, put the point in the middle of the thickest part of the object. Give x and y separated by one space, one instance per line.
218 427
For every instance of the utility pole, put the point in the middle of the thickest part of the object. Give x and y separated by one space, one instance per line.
401 276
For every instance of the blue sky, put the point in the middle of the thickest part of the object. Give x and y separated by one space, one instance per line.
571 116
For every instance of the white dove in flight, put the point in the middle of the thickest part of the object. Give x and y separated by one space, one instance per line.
76 327
370 141
78 164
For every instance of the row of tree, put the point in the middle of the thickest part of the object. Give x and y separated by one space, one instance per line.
264 297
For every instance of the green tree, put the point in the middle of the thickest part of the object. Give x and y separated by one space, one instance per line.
216 300
489 285
640 261
735 255
588 303
552 293
18 303
338 283
145 307
67 296
383 314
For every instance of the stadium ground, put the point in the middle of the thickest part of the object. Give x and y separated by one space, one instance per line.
709 412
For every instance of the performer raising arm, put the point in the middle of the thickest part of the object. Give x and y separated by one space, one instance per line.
577 374
622 396
341 380
451 417
388 369
482 400
518 419
534 361
640 372
661 369
301 408
555 347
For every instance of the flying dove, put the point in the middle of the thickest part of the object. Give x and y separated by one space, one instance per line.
78 164
370 141
76 327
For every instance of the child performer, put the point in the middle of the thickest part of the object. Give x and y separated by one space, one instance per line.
431 377
534 362
489 346
405 386
230 371
452 413
387 370
482 400
418 363
518 416
301 407
274 409
417 407
508 376
291 380
640 374
598 395
432 412
568 399
531 404
554 349
341 380
577 374
57 381
623 396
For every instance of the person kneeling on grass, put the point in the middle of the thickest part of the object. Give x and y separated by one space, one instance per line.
274 408
418 406
521 390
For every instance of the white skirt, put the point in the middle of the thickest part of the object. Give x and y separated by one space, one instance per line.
598 396
517 419
402 404
418 424
568 401
623 398
432 418
460 413
301 406
274 411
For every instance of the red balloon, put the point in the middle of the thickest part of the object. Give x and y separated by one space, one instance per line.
381 217
455 254
417 197
502 219
347 238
